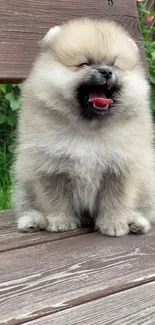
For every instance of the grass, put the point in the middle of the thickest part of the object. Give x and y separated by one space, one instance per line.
6 142
5 198
5 180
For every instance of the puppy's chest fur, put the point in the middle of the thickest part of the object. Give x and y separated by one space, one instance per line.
84 171
85 163
87 177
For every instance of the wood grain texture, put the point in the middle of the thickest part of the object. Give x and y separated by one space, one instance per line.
50 277
132 307
23 23
11 239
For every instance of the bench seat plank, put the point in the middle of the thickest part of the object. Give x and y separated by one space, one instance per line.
46 278
135 306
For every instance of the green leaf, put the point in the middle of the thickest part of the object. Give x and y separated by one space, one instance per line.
153 98
3 88
141 6
153 55
11 118
9 96
150 14
2 119
9 88
14 102
152 78
153 104
2 154
15 85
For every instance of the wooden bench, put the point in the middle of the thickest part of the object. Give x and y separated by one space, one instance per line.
78 277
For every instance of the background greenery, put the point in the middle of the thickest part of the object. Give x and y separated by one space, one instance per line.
147 26
10 102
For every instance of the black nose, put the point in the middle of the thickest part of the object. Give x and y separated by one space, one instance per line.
106 73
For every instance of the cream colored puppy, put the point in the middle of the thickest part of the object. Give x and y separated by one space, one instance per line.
85 139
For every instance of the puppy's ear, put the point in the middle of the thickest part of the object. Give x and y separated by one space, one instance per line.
49 37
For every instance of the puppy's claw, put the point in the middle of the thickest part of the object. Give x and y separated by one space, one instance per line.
139 225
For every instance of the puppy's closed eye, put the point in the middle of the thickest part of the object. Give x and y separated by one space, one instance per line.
83 64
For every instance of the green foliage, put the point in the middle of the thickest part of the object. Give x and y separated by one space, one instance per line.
5 197
9 104
147 26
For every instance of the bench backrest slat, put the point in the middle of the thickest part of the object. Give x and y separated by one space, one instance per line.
23 23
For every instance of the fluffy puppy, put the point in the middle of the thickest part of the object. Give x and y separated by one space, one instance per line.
85 139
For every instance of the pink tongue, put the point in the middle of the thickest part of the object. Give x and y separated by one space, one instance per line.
99 100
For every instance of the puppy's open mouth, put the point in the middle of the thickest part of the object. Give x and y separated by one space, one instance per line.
99 100
95 100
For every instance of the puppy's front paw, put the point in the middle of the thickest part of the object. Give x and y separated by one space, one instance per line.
62 223
32 221
139 224
112 227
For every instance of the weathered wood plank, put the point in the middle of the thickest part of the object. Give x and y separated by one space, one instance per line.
10 238
135 306
22 24
46 278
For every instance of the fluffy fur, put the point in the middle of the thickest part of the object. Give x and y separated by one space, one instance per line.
71 170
